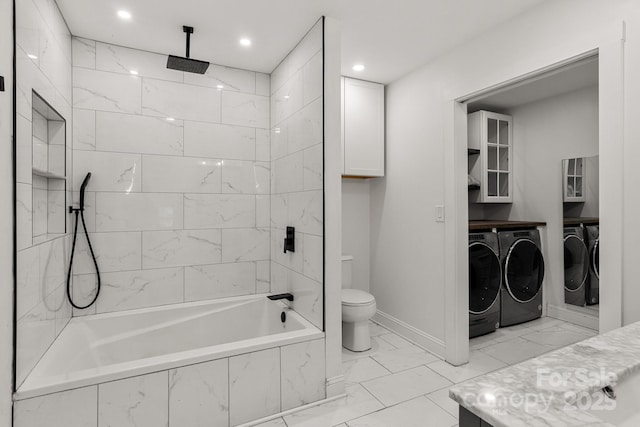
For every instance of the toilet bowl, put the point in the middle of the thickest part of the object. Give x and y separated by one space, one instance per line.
357 308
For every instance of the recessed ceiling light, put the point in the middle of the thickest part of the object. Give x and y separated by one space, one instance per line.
358 67
124 14
170 119
286 97
134 72
32 56
245 42
220 86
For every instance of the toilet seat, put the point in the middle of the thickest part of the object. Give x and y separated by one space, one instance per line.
356 298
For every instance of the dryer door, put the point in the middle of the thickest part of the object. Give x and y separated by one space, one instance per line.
485 277
524 270
595 258
576 263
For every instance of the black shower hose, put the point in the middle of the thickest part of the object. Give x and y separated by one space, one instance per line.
80 213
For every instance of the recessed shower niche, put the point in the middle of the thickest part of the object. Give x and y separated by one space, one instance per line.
48 170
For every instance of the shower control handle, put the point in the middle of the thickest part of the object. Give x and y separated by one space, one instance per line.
289 241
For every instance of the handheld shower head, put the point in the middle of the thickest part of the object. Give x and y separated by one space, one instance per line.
83 188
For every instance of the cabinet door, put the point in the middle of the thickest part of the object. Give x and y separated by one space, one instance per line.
496 140
573 180
363 110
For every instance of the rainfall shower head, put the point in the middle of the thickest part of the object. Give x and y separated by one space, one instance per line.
187 64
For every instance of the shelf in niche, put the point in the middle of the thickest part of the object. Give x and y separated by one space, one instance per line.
46 174
49 171
472 151
474 187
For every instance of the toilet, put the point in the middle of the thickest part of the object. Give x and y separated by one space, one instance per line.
357 308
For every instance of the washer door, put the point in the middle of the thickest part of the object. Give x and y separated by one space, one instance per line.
485 277
595 258
524 270
576 263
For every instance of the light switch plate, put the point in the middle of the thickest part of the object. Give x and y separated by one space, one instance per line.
439 213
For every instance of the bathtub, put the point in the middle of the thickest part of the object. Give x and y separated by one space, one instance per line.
108 347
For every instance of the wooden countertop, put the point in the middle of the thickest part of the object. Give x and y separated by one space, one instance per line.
578 221
501 225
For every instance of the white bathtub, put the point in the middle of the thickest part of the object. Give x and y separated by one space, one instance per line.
107 347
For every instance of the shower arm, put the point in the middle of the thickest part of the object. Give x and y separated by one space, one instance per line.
188 30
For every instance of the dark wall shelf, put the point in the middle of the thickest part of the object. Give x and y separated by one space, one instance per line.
477 225
472 151
578 221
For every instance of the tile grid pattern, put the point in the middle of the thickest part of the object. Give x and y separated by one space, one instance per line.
297 175
178 203
43 61
223 392
399 384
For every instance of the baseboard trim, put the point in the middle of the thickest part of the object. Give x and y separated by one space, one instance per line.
580 318
335 386
291 411
415 335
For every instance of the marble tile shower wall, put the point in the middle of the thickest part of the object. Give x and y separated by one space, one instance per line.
43 61
178 203
297 174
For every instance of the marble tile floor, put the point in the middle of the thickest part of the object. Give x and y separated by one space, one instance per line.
398 384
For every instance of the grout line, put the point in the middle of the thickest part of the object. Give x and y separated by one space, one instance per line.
374 396
385 368
440 406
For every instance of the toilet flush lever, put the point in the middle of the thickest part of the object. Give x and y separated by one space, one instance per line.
289 242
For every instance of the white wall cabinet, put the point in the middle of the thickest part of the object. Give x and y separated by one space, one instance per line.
573 179
362 128
490 157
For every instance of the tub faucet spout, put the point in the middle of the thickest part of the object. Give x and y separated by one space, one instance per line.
288 296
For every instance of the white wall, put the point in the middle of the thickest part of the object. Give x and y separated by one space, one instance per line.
355 228
332 206
631 291
6 213
408 248
42 308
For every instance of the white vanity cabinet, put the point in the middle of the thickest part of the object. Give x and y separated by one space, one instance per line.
362 128
573 179
490 157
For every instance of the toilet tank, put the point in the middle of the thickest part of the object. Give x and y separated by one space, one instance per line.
347 271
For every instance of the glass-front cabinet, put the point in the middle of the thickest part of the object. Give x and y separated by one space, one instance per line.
490 157
574 179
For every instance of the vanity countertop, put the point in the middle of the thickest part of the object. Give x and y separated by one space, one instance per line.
488 396
489 224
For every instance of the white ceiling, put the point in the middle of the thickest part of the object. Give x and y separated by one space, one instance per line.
391 38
